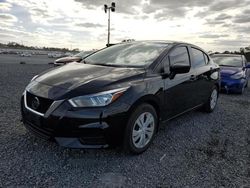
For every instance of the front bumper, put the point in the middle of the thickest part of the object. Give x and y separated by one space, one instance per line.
232 85
82 128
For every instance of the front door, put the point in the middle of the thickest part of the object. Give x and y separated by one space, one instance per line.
179 91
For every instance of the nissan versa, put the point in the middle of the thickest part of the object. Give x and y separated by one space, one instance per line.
120 94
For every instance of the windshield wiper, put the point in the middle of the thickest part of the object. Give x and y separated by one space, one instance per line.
114 65
228 66
107 65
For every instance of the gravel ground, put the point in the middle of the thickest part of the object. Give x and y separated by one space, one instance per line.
194 150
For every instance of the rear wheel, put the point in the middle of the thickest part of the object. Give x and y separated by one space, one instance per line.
211 103
140 129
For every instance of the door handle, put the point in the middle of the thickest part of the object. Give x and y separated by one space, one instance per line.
192 77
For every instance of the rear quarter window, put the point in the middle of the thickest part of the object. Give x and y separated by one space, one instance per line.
199 58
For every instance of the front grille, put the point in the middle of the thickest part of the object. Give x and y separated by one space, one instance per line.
43 104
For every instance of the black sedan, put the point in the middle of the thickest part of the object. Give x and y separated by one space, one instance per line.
120 94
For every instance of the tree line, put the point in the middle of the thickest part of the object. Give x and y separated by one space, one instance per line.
21 46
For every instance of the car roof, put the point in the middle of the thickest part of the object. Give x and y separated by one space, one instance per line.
157 41
226 55
169 42
173 43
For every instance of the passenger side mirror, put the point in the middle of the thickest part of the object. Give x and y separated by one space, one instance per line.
179 68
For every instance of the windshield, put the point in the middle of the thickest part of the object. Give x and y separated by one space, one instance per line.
83 54
128 55
233 61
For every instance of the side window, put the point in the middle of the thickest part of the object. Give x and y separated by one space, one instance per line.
160 68
206 58
165 64
244 61
198 58
179 56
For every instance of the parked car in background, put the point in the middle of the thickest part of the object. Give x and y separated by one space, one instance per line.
235 72
26 54
55 55
120 94
68 54
75 58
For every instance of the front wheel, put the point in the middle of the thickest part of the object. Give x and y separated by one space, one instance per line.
211 103
140 129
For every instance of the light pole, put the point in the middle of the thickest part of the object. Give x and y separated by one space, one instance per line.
107 8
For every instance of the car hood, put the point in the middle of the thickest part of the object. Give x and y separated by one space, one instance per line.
68 59
228 71
83 79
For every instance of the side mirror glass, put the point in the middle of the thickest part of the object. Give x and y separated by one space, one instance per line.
248 65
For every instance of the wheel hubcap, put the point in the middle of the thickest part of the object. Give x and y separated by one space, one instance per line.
213 100
143 130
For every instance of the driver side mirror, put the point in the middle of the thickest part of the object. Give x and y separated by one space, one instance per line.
248 65
179 68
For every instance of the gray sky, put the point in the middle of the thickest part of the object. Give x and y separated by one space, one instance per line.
214 25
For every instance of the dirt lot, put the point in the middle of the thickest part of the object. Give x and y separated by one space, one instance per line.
194 150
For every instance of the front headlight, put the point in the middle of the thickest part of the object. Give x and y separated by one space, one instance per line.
238 75
98 99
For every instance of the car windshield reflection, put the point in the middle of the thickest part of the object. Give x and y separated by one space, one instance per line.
126 55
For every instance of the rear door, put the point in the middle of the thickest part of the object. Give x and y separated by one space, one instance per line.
202 71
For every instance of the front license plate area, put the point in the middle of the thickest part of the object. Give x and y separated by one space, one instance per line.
33 118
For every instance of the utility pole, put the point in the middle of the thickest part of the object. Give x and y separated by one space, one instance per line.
107 8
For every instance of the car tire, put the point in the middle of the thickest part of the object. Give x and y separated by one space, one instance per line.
242 90
141 128
246 84
211 103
